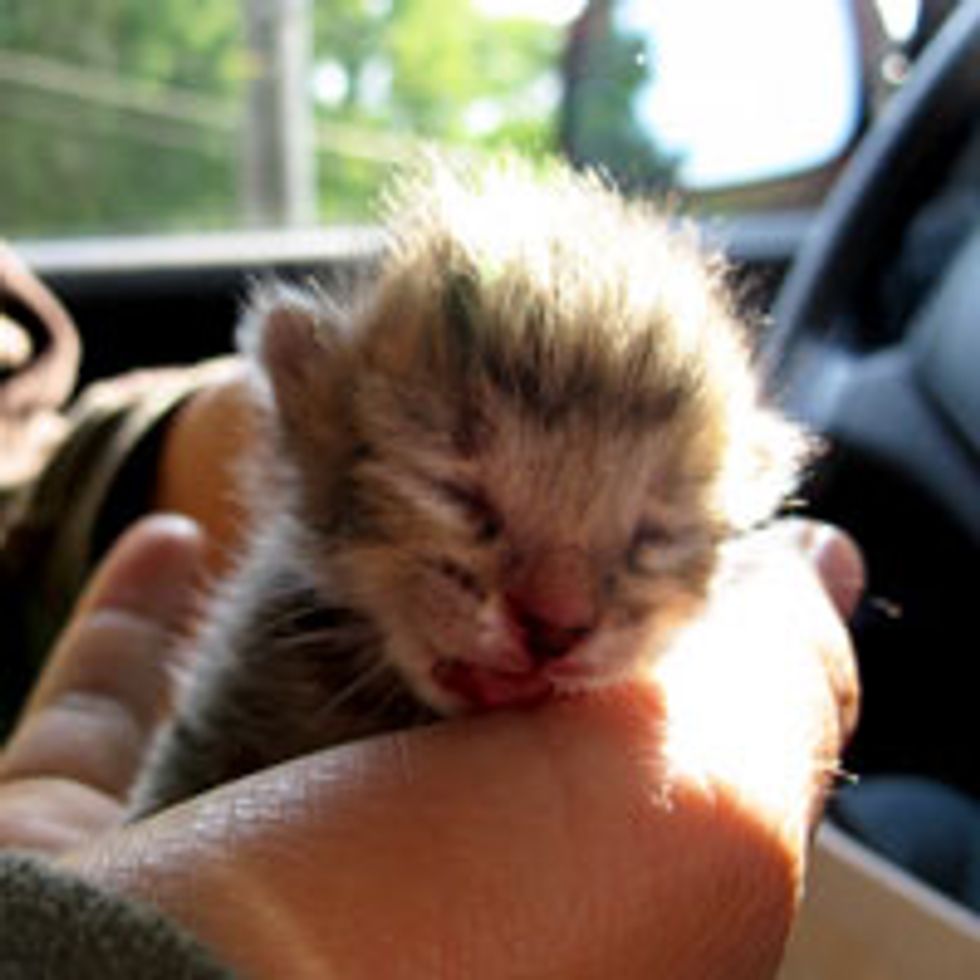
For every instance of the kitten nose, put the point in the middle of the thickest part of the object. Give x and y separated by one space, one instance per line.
544 640
553 602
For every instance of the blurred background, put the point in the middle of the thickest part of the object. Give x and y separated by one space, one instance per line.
123 117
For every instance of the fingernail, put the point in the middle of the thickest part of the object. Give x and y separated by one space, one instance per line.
172 525
837 561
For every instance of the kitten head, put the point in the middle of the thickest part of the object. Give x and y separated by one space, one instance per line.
521 456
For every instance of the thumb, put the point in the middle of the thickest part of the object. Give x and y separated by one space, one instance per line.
109 678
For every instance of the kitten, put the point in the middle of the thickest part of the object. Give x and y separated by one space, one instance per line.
503 475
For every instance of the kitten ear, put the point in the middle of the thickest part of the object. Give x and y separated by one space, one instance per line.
295 339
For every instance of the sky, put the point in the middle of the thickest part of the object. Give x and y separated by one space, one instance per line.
749 89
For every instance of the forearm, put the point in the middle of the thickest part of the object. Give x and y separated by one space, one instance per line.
476 850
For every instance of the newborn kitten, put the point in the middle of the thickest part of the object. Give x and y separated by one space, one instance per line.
503 475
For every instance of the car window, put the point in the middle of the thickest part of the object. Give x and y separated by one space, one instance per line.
121 116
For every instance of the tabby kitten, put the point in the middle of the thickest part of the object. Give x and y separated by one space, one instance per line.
502 475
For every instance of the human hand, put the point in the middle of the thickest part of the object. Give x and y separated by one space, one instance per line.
654 830
218 423
66 770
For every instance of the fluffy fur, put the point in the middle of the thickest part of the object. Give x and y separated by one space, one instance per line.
503 473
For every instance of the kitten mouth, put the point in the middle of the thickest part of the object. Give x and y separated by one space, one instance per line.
483 687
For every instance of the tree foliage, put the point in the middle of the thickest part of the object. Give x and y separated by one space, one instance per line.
123 115
606 65
92 140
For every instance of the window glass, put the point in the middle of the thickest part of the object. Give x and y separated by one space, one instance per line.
900 17
124 116
735 105
713 95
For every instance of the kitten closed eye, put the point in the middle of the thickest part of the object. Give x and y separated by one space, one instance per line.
657 549
458 574
473 503
650 545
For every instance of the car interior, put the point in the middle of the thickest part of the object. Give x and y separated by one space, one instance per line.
864 267
872 346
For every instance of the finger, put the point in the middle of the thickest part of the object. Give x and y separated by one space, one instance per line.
110 677
762 689
835 558
51 816
838 563
148 570
797 610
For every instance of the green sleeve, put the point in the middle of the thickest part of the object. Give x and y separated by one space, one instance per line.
99 478
55 925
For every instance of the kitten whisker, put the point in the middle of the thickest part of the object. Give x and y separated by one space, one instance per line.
361 681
